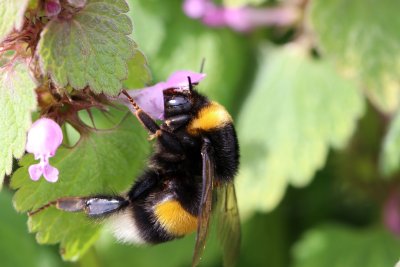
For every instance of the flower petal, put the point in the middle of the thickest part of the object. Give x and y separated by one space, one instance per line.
35 171
50 173
150 99
180 78
44 137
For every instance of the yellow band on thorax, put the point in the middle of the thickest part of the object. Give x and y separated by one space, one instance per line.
210 117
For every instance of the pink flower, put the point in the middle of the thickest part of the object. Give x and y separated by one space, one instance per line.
391 212
151 99
44 137
195 9
241 19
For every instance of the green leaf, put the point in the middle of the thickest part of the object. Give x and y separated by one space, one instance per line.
390 154
17 101
89 49
105 162
298 108
12 16
139 74
185 43
334 245
365 42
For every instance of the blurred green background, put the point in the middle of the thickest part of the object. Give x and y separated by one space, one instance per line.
315 106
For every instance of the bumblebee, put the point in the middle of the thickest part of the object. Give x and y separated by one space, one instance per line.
191 172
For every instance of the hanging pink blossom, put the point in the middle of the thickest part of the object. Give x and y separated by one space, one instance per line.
44 137
151 99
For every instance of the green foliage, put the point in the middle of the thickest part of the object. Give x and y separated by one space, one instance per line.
12 15
288 122
19 249
90 48
334 245
364 42
106 161
17 101
138 72
390 154
301 99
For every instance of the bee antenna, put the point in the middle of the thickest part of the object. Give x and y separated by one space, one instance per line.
203 61
190 83
133 103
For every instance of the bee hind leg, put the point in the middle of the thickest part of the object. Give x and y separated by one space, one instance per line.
99 206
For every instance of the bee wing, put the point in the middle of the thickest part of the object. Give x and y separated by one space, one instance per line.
228 223
206 202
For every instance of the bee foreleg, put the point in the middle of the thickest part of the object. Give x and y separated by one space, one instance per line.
175 122
92 206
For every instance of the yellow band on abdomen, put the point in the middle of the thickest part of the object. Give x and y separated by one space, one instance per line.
174 218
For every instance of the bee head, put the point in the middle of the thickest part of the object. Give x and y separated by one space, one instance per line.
178 100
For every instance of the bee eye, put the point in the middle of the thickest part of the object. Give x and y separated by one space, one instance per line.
177 104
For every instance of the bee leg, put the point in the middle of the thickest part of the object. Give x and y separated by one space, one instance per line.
166 138
175 122
92 206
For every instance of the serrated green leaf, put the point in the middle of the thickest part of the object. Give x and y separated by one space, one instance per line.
185 43
17 101
105 162
12 15
138 72
298 108
365 42
334 245
390 154
89 49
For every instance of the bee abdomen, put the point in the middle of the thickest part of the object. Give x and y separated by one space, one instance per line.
174 219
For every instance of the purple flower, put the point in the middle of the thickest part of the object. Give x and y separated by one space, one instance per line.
240 19
44 137
151 99
391 212
52 7
195 9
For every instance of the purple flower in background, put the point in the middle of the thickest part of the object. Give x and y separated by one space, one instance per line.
44 137
52 7
391 212
151 99
195 9
240 19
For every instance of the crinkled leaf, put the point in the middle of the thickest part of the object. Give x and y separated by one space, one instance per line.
301 108
89 49
12 16
363 40
390 155
105 162
335 245
185 43
17 101
139 74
